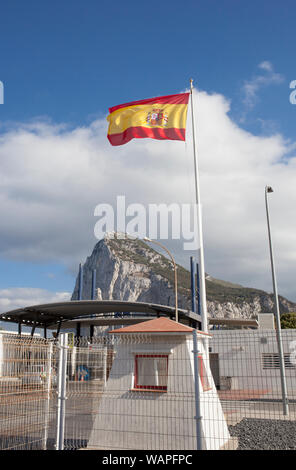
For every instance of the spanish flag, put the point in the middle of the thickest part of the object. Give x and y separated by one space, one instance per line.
158 118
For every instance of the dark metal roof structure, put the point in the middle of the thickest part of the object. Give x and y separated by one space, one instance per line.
54 314
234 322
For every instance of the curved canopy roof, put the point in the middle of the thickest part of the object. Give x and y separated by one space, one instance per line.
49 315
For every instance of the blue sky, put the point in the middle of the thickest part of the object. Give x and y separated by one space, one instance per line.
65 63
71 60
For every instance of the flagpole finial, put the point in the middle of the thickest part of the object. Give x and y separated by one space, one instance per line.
191 83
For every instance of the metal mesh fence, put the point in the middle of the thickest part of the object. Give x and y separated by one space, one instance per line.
246 369
138 391
88 366
27 383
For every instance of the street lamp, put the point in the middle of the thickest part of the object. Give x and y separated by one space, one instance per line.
268 189
175 273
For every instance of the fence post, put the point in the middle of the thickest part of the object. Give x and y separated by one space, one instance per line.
105 355
62 375
49 372
198 416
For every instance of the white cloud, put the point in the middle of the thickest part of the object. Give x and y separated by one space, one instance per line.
52 178
266 65
251 87
18 297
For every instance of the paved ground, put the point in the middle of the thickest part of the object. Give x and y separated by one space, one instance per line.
238 406
28 420
23 422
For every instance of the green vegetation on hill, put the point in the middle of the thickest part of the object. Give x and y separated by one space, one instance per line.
237 295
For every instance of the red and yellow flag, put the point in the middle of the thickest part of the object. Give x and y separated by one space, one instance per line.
158 118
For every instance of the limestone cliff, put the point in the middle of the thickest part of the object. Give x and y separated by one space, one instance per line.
132 270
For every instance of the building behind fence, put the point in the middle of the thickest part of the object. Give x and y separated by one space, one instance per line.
249 359
244 371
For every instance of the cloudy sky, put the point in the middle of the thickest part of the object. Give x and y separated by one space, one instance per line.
62 68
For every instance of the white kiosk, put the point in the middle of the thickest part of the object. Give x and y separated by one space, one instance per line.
149 401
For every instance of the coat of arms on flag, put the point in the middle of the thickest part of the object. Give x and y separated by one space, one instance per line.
157 117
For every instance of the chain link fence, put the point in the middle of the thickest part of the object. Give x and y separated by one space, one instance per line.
139 391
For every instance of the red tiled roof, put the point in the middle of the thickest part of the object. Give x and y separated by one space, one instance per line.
157 325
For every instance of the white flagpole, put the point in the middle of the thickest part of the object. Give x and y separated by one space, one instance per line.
202 293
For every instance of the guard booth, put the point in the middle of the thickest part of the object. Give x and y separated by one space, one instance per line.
150 398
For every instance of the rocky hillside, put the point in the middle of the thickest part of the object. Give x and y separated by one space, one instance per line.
132 270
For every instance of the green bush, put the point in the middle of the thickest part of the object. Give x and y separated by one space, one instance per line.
288 320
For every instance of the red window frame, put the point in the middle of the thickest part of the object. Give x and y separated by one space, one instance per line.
149 387
203 375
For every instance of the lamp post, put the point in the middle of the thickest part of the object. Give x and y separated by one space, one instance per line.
175 273
268 189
